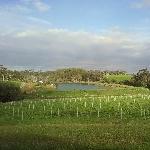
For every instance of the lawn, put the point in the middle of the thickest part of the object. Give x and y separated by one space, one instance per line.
103 119
118 78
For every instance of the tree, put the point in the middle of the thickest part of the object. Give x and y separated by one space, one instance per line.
142 78
3 72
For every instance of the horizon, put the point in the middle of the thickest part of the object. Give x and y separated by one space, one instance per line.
40 68
93 35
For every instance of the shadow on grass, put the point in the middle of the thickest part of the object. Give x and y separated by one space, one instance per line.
35 142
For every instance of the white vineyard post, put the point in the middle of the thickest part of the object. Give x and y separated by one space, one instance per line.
33 106
51 111
22 115
141 112
18 112
13 111
58 112
144 114
21 104
108 98
80 99
85 104
98 113
121 113
92 104
118 106
64 106
114 98
75 100
77 112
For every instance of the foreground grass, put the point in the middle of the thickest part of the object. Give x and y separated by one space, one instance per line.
102 135
38 129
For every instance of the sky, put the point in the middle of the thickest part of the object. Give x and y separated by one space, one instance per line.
90 34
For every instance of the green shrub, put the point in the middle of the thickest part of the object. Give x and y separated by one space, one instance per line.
9 91
28 88
118 79
45 88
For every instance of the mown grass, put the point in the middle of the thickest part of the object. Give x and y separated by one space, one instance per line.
99 124
103 135
118 78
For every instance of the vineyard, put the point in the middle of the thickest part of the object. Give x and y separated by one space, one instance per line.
120 107
119 119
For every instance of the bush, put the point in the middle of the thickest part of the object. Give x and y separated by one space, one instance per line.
9 91
49 88
28 88
142 78
45 88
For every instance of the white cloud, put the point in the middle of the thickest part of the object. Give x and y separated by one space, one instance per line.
60 47
141 4
20 17
39 20
40 5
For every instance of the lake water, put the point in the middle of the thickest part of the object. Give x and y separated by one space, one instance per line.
75 86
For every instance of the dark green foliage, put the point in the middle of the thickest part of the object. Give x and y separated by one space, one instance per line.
57 76
117 78
6 74
142 78
9 91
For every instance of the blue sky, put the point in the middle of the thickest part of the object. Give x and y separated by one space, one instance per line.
92 34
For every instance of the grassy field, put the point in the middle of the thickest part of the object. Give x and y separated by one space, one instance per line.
118 78
107 119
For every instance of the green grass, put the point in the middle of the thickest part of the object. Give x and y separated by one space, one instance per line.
118 78
106 119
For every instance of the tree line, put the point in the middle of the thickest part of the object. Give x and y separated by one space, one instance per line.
60 75
141 78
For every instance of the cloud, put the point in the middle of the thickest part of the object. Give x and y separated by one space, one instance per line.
40 5
141 4
39 20
55 48
20 16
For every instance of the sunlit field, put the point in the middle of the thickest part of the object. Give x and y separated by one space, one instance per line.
74 75
118 78
106 119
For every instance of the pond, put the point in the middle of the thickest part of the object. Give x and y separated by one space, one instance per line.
76 86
